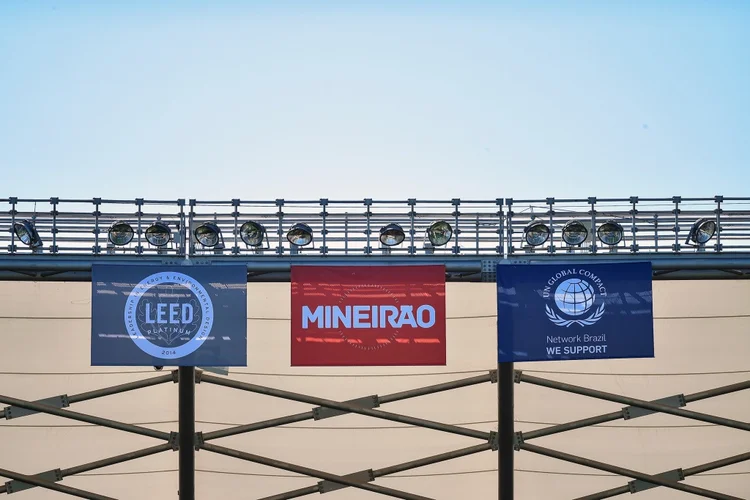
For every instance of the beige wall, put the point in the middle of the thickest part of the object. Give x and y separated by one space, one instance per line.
700 327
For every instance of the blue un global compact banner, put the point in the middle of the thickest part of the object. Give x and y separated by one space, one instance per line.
169 315
574 311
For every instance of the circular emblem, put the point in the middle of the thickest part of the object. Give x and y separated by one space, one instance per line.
574 296
169 315
574 292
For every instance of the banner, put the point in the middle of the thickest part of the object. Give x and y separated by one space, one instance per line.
368 315
574 311
168 315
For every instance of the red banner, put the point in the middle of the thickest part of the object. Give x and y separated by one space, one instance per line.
368 315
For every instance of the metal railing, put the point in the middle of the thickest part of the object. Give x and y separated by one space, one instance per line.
345 228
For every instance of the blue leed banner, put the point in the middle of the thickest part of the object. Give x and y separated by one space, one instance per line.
549 312
168 315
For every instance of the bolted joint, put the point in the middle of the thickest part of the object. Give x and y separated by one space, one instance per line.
517 440
198 376
517 374
175 376
494 441
493 376
174 440
198 441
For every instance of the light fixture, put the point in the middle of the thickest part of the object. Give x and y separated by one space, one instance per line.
26 232
439 233
610 233
300 235
252 233
702 231
391 235
158 234
120 233
536 233
208 234
574 233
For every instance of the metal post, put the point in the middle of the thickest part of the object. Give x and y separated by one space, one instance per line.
187 432
505 431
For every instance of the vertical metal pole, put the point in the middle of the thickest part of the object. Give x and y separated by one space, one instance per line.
505 430
187 432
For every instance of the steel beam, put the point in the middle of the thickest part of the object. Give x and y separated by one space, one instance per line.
187 432
126 457
616 398
298 469
617 415
119 389
104 422
685 472
386 471
52 486
586 462
349 408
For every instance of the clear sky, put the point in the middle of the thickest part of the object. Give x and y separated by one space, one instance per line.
265 100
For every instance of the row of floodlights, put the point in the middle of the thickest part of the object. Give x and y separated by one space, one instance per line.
252 233
574 233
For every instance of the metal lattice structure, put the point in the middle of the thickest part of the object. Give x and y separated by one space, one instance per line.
64 238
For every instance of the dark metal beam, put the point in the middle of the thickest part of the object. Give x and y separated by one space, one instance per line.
386 471
187 432
685 472
104 422
298 469
126 457
586 462
346 407
119 389
52 486
616 398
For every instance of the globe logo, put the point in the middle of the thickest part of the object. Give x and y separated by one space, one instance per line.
574 296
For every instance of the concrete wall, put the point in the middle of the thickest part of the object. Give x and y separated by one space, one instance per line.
700 327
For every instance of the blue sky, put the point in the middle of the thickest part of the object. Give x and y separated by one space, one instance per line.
265 100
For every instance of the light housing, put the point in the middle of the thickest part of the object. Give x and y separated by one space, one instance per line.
208 234
702 231
27 233
252 233
120 233
439 233
158 234
392 235
536 233
300 235
574 233
610 233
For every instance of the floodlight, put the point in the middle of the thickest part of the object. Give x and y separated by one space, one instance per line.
120 233
27 233
702 231
610 233
391 235
252 233
300 235
439 233
574 233
208 234
536 233
158 234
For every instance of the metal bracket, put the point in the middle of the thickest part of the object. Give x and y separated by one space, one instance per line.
364 476
198 441
517 376
494 441
174 440
321 412
57 402
51 476
489 270
672 475
493 376
517 440
630 412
